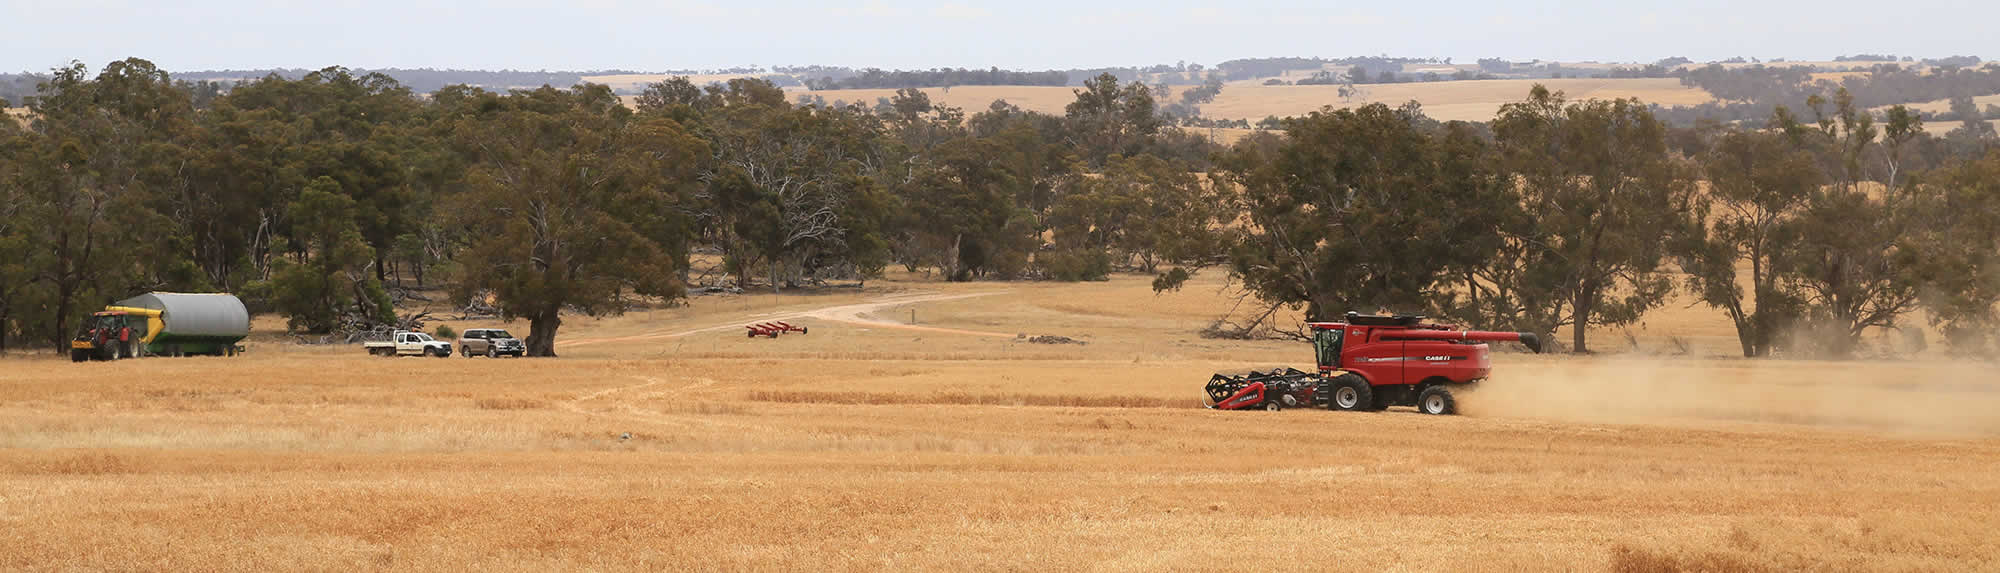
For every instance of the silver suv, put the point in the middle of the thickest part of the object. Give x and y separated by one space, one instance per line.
491 342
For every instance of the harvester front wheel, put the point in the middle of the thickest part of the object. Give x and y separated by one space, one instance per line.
1350 393
1437 401
1273 406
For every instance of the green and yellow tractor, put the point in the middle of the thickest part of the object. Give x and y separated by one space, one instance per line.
163 324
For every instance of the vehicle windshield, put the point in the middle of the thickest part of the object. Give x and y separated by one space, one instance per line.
420 337
498 334
1327 342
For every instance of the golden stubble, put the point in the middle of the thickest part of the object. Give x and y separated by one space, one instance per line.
866 447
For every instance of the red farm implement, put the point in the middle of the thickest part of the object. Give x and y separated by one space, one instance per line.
772 329
1371 363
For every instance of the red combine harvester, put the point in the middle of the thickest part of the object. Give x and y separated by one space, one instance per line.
1373 362
772 329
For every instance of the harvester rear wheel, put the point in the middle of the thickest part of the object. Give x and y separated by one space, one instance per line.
1273 406
1437 401
1350 393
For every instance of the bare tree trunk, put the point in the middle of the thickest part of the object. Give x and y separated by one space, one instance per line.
65 303
1746 330
1586 298
542 333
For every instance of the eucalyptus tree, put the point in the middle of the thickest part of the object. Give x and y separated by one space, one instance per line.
566 191
1605 194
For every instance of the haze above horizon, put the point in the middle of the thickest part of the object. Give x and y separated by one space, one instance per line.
1023 34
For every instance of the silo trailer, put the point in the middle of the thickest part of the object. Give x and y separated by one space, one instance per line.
164 324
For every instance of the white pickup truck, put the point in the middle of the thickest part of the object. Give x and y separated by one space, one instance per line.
406 343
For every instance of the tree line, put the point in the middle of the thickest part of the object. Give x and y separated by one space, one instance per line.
330 197
1806 231
17 87
327 197
1752 93
879 78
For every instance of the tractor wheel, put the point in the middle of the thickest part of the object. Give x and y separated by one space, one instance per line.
115 352
1350 393
1273 406
1436 401
79 355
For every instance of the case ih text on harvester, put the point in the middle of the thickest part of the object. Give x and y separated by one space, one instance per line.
1371 363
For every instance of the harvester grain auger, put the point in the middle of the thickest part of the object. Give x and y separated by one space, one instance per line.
1373 362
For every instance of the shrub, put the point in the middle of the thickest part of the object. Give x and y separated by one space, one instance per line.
1171 280
446 332
1076 265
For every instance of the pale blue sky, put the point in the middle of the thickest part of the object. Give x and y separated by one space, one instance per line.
1021 34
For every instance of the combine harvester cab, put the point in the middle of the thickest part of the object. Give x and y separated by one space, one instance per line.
164 324
1371 363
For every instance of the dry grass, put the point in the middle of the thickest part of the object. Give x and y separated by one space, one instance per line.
864 446
975 99
1446 101
1944 105
636 82
1459 100
1939 128
1859 65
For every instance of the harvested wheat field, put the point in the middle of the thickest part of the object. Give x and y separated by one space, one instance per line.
667 440
639 82
1473 100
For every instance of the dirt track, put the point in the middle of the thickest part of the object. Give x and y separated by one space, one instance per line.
855 313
